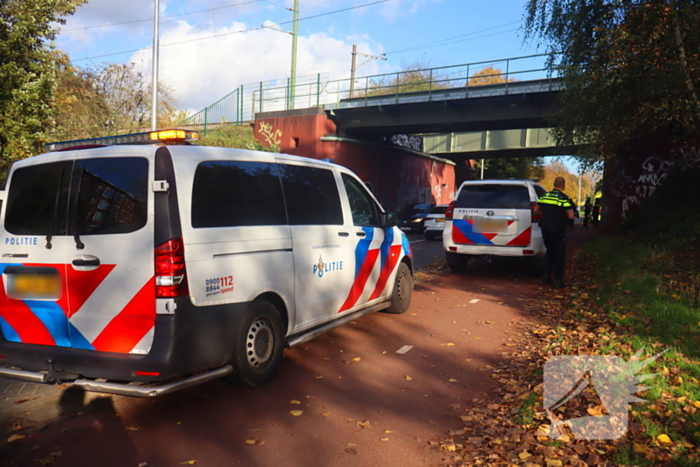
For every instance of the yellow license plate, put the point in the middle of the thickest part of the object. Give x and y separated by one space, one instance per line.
491 226
440 219
35 286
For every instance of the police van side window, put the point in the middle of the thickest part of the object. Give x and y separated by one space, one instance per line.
237 193
362 206
311 195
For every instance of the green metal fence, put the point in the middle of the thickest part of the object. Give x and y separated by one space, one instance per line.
245 101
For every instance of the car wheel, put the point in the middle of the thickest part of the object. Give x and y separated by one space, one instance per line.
456 262
258 345
403 290
430 235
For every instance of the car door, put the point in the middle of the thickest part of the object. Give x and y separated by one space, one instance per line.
33 297
322 241
377 251
109 252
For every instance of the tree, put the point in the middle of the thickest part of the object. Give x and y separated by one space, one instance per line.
631 67
80 111
512 167
556 168
108 100
26 73
488 75
413 78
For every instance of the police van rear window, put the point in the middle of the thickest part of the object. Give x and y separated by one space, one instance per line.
87 197
491 196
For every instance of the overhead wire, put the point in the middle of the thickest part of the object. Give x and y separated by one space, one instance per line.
445 41
227 33
162 17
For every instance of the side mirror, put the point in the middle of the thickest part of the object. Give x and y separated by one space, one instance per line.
388 220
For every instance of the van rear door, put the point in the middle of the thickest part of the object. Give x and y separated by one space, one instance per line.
33 298
493 214
82 224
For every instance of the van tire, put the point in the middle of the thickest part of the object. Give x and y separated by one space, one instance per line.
402 291
430 236
258 345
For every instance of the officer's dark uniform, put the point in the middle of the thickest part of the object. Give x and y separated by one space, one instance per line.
553 206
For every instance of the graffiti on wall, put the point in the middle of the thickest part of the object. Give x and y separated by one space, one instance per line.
412 142
633 189
273 137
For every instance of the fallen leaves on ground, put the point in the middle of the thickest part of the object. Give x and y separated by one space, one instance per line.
516 430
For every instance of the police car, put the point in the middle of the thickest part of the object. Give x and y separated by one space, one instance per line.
493 218
141 269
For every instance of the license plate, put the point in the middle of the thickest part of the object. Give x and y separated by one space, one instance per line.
34 286
491 226
440 220
405 228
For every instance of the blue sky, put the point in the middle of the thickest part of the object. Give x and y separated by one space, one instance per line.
213 57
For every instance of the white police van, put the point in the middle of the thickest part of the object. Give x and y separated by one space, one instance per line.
140 269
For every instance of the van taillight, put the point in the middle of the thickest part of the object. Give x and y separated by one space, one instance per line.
171 277
535 217
449 211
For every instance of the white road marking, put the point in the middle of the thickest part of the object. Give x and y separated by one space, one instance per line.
404 349
474 300
418 241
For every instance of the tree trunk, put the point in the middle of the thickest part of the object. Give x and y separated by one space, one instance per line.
684 60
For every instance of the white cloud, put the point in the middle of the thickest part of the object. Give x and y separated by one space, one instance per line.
203 71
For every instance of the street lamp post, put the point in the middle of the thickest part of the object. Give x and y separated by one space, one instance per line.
154 71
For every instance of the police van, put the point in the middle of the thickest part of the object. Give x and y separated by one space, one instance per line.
494 218
141 269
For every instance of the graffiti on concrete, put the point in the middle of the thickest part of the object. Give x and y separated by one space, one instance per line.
653 171
272 137
408 141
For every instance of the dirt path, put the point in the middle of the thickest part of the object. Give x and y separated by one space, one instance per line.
363 402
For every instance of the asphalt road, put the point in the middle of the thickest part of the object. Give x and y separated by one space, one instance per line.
375 392
32 405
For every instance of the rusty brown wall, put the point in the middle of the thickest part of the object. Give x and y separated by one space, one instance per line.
397 176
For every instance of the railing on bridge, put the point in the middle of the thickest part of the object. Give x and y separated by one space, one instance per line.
496 77
480 79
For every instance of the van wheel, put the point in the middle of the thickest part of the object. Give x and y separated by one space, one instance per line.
430 236
258 345
456 262
403 290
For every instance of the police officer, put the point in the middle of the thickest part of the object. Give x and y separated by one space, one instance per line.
557 211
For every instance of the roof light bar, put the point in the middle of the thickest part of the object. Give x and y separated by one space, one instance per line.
149 137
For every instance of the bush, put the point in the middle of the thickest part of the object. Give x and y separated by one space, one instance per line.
235 136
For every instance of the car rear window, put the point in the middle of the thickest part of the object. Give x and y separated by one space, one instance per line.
493 196
87 196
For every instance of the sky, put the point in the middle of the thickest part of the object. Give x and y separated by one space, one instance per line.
210 47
